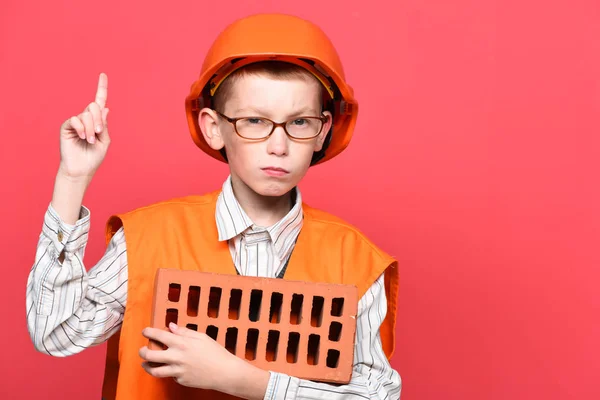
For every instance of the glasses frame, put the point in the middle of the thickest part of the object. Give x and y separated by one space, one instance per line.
233 121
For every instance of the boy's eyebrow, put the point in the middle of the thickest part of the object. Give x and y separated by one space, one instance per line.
304 111
248 109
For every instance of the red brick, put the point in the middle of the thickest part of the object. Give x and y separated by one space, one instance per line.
174 287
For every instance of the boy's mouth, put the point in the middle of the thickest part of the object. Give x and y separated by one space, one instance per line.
275 171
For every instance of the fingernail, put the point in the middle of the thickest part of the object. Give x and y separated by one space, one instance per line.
172 326
98 128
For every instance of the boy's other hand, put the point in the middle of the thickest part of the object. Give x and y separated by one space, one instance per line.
194 359
84 138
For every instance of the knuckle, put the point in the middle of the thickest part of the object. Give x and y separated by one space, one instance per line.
203 336
183 346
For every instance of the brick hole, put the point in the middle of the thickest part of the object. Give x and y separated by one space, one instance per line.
272 345
316 317
276 303
193 302
251 344
335 331
174 292
231 339
296 313
314 342
337 306
235 301
214 301
255 301
193 327
292 349
171 316
333 358
212 331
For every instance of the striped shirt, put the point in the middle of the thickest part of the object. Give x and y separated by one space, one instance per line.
70 309
256 251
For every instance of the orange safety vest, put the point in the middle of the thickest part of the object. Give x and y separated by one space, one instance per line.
182 233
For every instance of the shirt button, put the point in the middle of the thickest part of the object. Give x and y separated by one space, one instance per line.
60 236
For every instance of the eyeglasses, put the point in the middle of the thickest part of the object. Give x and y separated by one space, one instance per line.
259 128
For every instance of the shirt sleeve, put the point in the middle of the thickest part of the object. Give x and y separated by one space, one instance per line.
68 308
372 376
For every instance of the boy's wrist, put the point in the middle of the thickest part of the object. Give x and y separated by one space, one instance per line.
66 178
67 196
246 380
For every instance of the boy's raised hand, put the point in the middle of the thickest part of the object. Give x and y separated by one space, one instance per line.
84 138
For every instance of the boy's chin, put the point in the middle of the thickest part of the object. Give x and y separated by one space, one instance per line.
272 189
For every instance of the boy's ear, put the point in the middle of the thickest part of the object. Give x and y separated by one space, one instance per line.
324 131
208 122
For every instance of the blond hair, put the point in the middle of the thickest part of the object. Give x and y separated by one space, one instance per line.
278 70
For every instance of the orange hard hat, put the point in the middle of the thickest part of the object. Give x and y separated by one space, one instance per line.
276 37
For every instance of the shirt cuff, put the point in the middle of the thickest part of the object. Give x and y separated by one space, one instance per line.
281 387
66 236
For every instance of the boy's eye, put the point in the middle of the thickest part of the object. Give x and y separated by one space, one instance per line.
254 121
299 122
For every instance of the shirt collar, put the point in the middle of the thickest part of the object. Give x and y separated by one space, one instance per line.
233 221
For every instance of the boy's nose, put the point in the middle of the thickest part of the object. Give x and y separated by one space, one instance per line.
278 142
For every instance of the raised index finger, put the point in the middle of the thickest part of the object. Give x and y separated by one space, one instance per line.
102 92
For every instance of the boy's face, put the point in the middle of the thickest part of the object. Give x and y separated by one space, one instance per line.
274 166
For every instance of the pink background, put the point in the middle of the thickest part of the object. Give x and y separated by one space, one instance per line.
475 162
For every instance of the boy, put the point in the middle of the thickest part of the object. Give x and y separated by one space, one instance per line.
271 101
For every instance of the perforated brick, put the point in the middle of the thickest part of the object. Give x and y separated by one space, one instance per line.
301 329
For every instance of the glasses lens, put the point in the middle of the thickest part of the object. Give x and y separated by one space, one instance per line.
254 128
303 128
